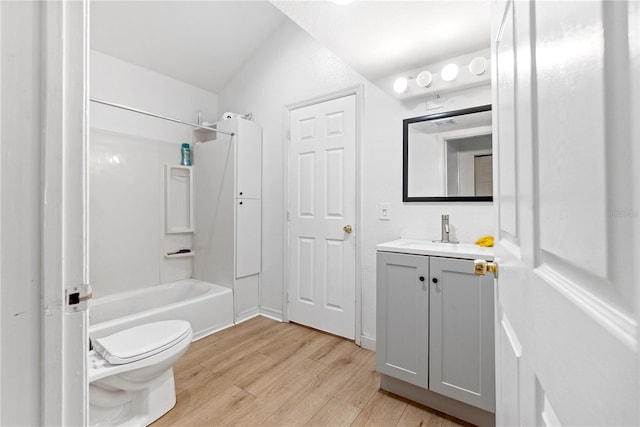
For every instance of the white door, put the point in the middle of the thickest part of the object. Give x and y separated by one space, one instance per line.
322 211
566 130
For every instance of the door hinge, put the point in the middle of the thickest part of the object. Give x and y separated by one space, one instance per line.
77 297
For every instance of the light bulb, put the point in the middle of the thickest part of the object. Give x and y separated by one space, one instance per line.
424 79
400 85
478 65
449 72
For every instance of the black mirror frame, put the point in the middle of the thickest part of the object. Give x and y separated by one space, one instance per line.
405 157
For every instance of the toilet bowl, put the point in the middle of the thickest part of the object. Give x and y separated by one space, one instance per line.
131 373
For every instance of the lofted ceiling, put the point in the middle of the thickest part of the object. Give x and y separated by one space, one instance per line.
380 38
204 43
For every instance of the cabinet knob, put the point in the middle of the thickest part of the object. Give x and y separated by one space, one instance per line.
240 202
241 193
421 278
434 280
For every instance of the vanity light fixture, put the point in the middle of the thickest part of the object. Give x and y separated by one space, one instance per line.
449 72
424 79
400 85
478 65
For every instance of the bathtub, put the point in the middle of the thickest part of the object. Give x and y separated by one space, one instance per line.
208 307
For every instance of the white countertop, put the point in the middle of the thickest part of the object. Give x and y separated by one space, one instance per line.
427 247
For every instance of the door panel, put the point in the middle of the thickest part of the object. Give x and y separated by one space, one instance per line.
249 160
403 317
334 279
461 344
578 277
567 292
508 384
321 202
334 204
248 232
505 92
306 267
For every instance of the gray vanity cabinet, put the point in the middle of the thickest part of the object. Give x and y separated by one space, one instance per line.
461 356
402 341
435 327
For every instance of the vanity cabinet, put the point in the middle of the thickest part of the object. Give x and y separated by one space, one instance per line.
435 331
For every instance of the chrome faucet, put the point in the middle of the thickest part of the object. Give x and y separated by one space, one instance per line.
445 229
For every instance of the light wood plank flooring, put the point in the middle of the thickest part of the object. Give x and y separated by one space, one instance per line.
263 372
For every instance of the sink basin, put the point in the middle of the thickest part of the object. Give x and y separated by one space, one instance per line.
428 247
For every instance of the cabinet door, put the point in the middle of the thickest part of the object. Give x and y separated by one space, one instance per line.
461 358
248 237
402 342
248 160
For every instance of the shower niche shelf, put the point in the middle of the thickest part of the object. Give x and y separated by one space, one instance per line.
179 199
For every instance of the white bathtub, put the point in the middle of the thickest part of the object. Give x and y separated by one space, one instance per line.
208 307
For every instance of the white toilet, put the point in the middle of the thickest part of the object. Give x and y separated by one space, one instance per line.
131 373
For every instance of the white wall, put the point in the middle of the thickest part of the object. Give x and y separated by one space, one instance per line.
114 80
20 219
128 152
291 67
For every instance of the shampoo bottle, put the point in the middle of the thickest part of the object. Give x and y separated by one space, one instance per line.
186 155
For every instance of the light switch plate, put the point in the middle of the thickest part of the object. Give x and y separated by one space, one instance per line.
384 211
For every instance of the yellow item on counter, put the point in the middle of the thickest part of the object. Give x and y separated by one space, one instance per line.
485 241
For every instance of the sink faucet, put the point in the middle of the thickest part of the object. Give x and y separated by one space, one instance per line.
445 229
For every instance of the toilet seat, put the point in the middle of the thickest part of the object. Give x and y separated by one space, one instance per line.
164 349
141 341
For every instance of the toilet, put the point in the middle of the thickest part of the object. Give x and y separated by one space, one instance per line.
131 373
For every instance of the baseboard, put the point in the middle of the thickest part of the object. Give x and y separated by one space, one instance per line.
271 313
249 314
368 343
210 331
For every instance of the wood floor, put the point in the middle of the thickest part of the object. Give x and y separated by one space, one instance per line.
263 372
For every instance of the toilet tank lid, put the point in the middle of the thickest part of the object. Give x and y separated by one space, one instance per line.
141 341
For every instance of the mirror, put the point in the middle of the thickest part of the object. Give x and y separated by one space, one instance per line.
448 156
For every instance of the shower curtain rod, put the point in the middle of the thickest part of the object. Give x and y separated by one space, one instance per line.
135 110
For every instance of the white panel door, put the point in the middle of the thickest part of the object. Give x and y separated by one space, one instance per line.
566 129
322 201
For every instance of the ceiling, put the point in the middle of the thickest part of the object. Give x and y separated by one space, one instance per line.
204 43
380 38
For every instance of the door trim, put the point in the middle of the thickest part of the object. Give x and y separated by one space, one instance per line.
358 91
64 211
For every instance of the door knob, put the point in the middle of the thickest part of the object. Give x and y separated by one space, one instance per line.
481 267
347 228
